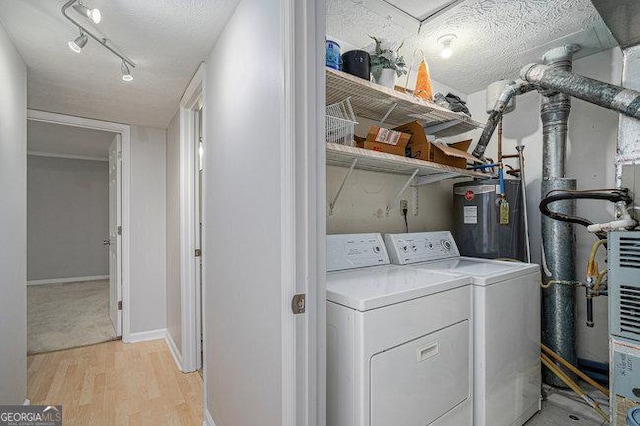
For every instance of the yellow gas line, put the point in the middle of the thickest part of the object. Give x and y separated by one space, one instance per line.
571 367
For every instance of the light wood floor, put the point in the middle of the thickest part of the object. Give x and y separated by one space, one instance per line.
116 384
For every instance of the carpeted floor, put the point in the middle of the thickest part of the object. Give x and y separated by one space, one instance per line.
61 316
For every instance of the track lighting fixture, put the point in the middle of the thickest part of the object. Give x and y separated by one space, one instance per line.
126 74
93 14
87 31
79 42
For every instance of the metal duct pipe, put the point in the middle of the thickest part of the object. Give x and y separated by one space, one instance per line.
556 82
558 239
625 101
518 87
552 78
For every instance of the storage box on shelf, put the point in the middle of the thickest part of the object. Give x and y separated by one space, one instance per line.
386 140
454 155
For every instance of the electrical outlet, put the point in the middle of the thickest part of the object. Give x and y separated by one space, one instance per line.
404 204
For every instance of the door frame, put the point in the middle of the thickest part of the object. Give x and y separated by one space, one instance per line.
304 155
124 247
190 295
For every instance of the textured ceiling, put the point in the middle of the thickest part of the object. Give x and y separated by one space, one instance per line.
58 139
167 39
495 38
419 9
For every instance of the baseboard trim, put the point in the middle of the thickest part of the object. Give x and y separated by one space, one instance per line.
68 280
177 357
144 336
208 420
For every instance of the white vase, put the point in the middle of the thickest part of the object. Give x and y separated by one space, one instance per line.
387 78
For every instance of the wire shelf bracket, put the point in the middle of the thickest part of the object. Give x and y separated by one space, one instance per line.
332 204
435 128
387 114
406 185
437 177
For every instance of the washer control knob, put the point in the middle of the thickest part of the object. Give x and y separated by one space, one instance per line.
429 245
376 249
414 247
446 245
405 248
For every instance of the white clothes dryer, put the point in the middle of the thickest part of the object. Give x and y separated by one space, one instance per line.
506 309
399 349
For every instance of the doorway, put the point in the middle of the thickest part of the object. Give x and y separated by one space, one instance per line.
78 242
115 230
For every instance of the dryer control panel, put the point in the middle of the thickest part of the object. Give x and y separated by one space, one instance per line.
349 251
420 247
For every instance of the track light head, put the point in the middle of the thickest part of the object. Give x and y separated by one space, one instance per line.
126 74
79 42
93 14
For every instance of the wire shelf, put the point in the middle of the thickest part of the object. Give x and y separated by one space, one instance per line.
428 172
373 101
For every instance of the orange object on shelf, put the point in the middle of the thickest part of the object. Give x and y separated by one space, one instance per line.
423 82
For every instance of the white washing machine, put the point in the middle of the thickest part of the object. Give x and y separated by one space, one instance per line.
506 307
399 349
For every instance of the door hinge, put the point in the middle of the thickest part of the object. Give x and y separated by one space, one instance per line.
120 305
119 230
198 252
298 303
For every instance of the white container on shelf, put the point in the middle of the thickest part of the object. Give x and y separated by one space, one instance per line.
387 78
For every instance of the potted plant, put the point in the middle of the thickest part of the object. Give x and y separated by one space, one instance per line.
386 62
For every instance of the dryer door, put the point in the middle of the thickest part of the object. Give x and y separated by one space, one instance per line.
418 382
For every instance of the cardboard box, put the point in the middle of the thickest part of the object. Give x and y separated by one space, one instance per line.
386 140
419 147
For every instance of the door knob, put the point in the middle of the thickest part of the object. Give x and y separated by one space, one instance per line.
106 243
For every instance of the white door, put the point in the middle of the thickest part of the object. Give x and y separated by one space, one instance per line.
115 173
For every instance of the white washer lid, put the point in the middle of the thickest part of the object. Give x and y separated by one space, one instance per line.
374 287
482 271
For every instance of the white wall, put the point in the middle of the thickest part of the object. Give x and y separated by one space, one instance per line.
13 220
241 247
591 149
148 229
67 218
362 204
173 260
